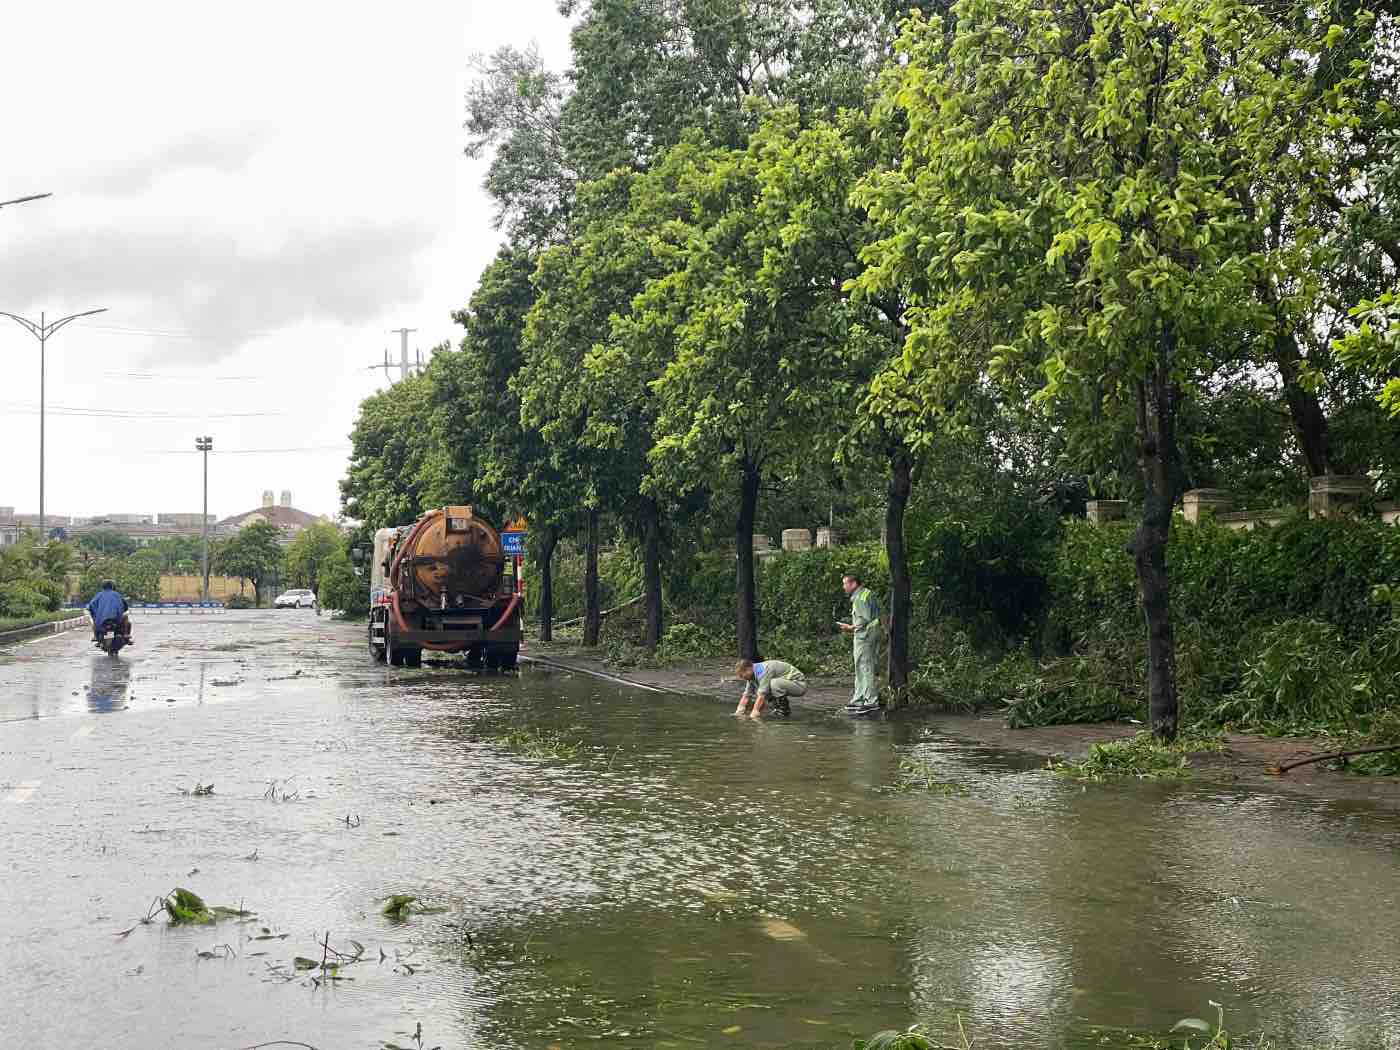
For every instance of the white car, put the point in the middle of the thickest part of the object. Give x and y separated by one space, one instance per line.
298 599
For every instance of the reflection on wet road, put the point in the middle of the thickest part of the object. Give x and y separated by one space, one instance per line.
679 878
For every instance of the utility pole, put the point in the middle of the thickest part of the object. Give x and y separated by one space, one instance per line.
41 332
205 445
404 366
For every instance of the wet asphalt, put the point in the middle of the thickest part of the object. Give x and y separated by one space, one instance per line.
100 759
669 877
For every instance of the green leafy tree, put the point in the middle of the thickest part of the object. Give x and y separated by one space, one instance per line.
1067 219
513 111
136 576
593 359
477 413
254 554
340 588
33 577
1349 234
751 376
139 577
391 448
813 235
179 554
107 542
308 553
647 72
560 327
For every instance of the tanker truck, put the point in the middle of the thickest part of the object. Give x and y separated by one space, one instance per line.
444 583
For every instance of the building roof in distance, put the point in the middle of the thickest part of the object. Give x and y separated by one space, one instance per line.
282 517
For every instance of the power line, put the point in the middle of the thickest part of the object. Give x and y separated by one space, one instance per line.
172 333
119 413
144 377
247 451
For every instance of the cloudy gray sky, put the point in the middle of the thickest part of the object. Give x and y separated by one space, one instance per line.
257 196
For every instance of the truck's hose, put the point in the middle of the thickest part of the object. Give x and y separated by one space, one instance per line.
514 601
393 569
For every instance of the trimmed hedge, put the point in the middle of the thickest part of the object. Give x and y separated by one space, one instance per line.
1229 581
18 623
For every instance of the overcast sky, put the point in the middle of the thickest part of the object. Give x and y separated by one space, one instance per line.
257 193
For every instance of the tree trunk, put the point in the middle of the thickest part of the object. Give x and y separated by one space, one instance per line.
651 574
1309 420
592 606
901 469
747 611
548 541
1157 455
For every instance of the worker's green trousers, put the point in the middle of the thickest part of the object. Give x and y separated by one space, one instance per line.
867 690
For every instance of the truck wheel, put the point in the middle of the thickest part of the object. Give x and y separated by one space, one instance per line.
376 652
510 659
413 657
493 660
474 659
392 652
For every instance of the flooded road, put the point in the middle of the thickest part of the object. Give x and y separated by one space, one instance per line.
597 866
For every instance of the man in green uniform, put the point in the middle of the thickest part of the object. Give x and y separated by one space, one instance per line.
774 680
865 632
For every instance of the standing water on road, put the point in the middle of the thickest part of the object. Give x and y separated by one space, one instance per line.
596 866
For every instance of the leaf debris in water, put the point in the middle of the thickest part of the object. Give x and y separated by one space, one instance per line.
780 930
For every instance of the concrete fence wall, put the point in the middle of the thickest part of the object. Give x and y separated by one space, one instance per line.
180 588
1332 495
1329 496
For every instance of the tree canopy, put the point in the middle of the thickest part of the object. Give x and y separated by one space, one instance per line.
768 257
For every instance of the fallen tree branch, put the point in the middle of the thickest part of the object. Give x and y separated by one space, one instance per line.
1279 770
605 612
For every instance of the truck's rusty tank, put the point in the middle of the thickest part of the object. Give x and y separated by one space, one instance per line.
444 583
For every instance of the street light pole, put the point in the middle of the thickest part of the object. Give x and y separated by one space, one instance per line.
205 445
41 332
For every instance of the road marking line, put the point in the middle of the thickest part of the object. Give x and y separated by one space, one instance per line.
25 789
83 731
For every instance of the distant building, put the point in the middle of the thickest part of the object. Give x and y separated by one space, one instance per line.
145 529
12 525
142 535
183 520
50 520
283 515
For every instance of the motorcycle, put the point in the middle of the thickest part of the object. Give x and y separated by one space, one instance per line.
111 638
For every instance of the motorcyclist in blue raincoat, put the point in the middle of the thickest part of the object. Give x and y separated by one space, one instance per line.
108 611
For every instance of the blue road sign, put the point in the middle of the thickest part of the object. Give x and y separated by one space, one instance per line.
513 542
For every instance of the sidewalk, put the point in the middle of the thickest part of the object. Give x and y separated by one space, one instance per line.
38 630
1243 763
